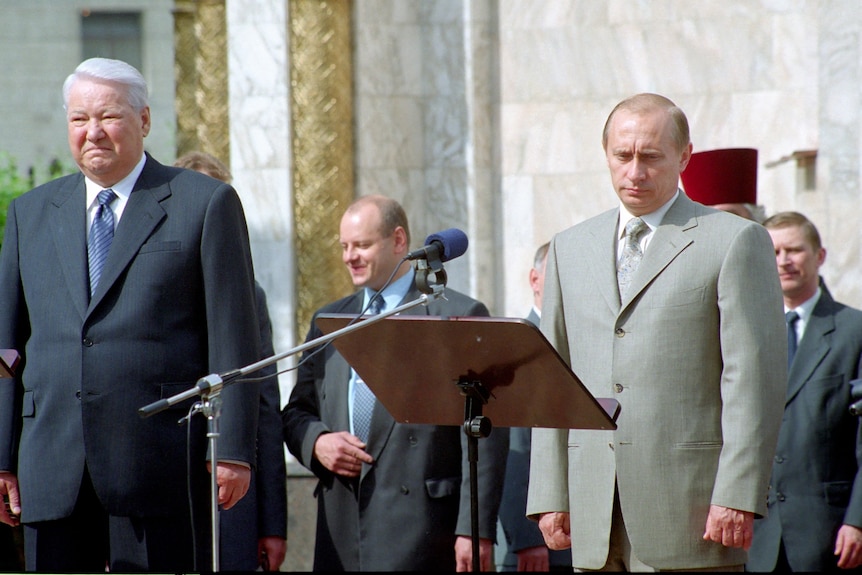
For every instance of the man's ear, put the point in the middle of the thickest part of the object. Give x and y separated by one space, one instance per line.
400 237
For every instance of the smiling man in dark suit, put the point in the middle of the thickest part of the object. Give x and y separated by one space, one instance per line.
94 483
398 499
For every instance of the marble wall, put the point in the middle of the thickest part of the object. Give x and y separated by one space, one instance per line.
747 73
487 115
258 63
424 122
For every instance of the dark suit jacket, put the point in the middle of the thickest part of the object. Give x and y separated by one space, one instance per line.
405 510
521 532
816 484
175 302
263 510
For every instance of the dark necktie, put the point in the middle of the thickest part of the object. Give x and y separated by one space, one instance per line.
363 397
791 318
101 236
632 254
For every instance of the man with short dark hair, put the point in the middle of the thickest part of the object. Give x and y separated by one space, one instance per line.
814 501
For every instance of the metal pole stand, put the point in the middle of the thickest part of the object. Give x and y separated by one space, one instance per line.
476 426
210 406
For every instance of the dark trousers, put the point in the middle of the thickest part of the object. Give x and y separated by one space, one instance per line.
90 539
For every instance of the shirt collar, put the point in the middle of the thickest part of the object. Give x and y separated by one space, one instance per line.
123 188
652 219
395 293
806 308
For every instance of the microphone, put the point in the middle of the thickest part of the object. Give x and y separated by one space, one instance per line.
446 245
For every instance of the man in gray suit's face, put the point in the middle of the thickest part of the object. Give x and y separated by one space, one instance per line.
645 158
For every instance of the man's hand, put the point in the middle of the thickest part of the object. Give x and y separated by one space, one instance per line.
232 480
556 530
848 547
730 527
464 554
270 552
533 559
11 508
341 453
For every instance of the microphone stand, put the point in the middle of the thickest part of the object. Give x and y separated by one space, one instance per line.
209 387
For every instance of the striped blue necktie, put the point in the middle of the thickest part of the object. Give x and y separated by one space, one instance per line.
101 236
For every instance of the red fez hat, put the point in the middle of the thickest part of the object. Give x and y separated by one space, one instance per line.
726 176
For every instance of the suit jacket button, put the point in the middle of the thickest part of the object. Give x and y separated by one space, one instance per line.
405 490
618 387
620 332
78 394
88 342
779 459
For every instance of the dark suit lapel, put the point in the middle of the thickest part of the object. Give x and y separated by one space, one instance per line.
140 217
815 344
338 374
668 241
69 232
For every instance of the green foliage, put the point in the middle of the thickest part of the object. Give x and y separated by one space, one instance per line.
13 183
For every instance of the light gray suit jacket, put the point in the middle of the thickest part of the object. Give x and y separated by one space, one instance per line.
695 354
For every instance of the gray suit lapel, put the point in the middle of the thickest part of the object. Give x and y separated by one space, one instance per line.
338 371
813 347
140 217
69 232
603 261
669 241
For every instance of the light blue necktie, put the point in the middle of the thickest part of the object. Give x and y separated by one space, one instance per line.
363 397
101 236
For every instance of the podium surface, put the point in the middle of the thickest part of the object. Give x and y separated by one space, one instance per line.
414 364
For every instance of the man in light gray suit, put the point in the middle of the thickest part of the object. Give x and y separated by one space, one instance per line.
693 350
815 494
96 485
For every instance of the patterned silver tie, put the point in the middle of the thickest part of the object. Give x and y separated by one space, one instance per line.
632 254
363 397
101 236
